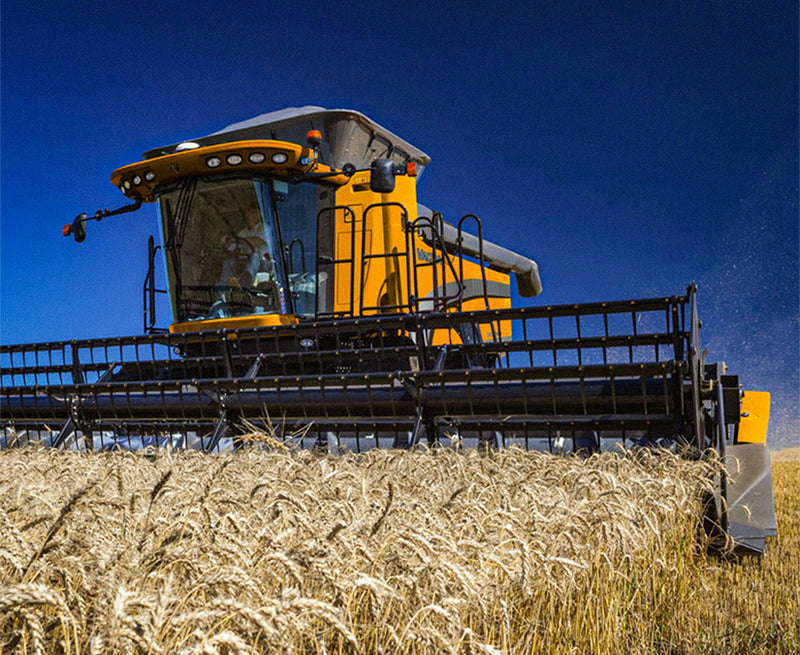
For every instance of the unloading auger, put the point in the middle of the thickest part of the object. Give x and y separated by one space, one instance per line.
310 291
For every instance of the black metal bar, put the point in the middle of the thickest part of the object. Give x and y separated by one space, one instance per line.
150 310
417 430
332 260
719 416
698 420
77 371
459 241
148 288
64 434
220 430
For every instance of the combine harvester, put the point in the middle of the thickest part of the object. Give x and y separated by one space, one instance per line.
309 288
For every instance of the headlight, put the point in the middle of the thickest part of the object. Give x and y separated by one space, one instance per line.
234 159
149 176
127 184
213 162
280 158
256 157
137 180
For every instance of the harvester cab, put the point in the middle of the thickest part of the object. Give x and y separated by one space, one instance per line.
306 214
310 291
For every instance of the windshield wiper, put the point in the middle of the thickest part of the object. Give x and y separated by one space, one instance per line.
348 170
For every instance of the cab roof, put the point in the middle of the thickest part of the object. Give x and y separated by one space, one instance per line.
348 136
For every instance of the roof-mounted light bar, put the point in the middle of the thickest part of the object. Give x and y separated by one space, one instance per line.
267 157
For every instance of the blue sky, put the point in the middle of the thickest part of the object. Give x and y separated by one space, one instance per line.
629 148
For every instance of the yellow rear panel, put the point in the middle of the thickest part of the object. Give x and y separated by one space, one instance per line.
754 418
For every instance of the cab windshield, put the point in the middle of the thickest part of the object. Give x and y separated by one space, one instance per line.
224 252
222 249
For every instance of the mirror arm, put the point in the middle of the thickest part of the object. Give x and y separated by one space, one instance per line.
77 228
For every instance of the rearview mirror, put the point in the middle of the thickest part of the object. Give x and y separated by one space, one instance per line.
77 228
382 176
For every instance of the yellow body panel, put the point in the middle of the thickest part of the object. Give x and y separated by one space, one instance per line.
385 252
754 417
233 323
377 231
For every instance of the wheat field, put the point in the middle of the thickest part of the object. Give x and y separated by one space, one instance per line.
382 552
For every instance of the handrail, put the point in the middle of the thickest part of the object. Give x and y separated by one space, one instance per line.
399 306
418 226
149 290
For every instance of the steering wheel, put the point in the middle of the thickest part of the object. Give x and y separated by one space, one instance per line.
244 247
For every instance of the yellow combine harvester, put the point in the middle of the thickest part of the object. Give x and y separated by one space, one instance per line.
309 288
